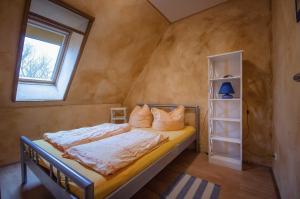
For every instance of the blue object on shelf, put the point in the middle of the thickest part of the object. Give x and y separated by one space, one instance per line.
226 89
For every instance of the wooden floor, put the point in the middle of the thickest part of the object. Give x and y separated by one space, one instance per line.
253 182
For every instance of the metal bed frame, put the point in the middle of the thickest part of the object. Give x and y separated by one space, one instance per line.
31 153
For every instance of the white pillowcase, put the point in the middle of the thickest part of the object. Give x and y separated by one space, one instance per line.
168 121
141 117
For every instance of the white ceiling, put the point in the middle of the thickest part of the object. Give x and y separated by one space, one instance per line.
175 10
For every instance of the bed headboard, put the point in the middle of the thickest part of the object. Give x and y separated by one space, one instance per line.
194 109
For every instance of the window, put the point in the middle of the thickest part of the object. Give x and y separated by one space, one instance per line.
52 39
42 53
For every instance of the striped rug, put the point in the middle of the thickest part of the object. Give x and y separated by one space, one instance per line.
189 187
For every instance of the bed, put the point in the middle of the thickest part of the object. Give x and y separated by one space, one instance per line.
67 178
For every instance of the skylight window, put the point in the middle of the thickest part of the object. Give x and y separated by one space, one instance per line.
42 54
52 39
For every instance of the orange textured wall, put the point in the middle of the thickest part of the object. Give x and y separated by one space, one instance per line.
286 95
177 69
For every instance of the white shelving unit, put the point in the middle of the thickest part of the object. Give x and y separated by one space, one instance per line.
118 115
225 126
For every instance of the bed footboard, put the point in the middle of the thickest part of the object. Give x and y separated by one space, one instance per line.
31 154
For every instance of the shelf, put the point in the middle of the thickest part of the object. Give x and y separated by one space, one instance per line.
225 119
118 118
226 139
226 161
227 78
233 99
225 54
118 109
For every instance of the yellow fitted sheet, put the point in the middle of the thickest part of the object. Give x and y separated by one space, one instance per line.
106 185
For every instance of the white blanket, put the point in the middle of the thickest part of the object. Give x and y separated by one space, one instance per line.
109 155
63 140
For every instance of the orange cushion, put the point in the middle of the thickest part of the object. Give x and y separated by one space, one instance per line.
141 117
168 121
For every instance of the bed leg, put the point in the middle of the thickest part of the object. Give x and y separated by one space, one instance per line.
198 127
89 192
24 173
23 164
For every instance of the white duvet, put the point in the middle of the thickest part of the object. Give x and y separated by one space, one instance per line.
109 155
63 140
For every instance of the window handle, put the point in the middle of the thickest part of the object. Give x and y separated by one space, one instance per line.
297 77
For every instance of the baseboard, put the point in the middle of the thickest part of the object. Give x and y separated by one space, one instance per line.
275 184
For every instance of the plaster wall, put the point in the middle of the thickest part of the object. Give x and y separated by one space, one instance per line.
286 95
177 70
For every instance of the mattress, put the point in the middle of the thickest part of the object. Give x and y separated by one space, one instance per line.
103 186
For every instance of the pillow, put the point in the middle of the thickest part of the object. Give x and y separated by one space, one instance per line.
141 117
168 121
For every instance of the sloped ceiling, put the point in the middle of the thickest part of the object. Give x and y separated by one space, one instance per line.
175 10
122 38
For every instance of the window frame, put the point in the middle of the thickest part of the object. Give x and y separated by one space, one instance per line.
27 14
56 28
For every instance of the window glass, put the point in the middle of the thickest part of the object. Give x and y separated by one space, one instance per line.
38 60
41 54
